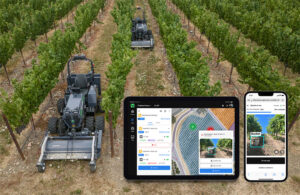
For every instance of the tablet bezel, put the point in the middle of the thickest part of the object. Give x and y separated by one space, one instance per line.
130 157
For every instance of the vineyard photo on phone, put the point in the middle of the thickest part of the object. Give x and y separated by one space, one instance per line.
266 134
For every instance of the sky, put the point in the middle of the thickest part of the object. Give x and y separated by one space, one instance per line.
264 119
215 141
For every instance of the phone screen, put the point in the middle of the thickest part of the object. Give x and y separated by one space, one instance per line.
265 136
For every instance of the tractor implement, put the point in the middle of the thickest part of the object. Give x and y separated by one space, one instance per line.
142 44
141 37
70 148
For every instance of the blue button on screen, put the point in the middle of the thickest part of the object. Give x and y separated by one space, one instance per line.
215 170
147 167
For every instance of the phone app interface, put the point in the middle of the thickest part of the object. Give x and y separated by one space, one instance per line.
265 136
184 141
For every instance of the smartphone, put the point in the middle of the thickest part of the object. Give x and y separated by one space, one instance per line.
266 138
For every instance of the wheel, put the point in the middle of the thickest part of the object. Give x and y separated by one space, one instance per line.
52 125
145 36
89 123
93 168
99 123
61 105
61 126
149 32
135 37
41 167
99 108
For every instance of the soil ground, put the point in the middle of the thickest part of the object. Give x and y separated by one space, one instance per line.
270 145
151 68
219 154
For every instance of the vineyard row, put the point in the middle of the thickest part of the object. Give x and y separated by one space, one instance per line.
43 76
281 40
253 65
121 59
33 23
191 70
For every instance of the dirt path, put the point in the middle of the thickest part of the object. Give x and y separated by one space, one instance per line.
154 75
272 144
219 154
271 147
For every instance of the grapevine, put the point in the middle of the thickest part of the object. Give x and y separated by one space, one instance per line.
253 65
265 29
26 21
191 70
42 77
121 57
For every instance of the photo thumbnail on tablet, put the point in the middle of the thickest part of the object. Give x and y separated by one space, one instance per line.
184 141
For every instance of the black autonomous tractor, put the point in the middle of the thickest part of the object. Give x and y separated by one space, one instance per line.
141 37
77 133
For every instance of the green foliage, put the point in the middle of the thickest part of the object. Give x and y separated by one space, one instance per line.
42 77
19 38
252 64
45 19
273 24
83 18
121 57
28 19
276 125
224 143
6 49
252 124
12 109
191 70
205 143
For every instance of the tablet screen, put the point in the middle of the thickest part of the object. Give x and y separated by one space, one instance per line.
182 137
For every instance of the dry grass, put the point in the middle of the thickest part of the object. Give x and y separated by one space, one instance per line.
148 77
75 192
296 178
126 189
4 143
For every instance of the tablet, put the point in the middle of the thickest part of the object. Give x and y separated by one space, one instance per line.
181 138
